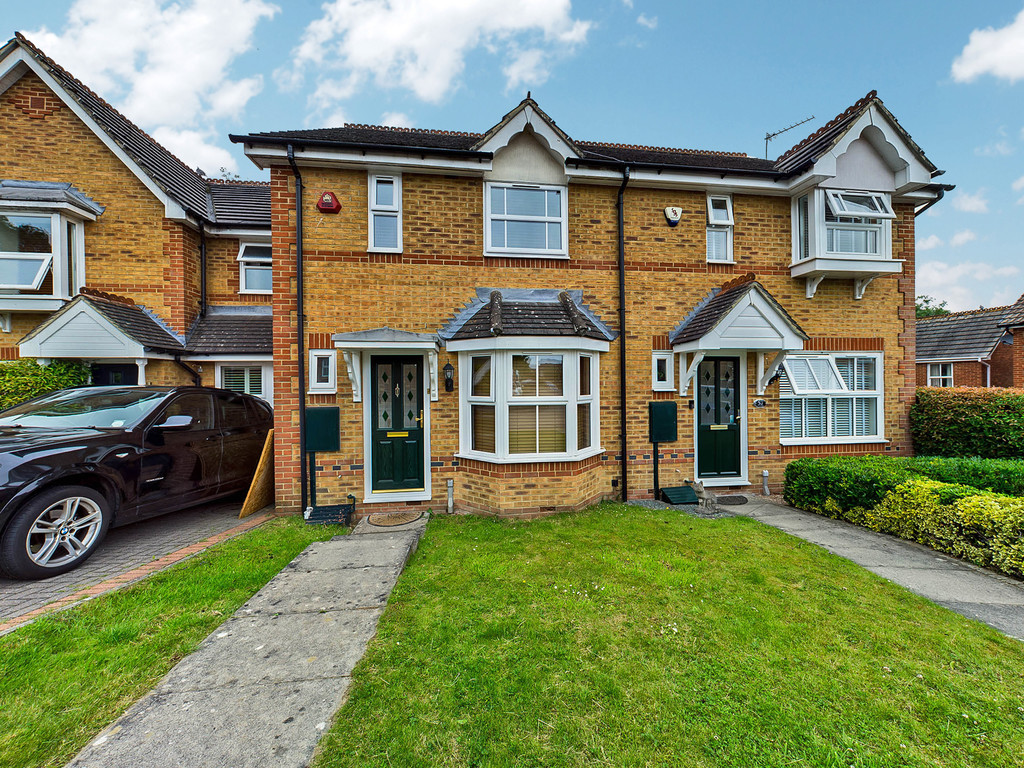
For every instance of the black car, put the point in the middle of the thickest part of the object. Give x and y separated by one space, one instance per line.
74 463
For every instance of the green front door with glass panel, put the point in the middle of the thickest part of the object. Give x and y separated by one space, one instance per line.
718 417
397 424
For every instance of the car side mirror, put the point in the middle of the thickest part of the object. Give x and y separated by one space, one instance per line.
182 421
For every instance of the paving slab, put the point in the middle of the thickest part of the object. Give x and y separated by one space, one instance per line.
262 688
962 587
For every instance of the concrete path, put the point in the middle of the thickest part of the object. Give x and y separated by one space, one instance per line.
967 589
261 689
125 556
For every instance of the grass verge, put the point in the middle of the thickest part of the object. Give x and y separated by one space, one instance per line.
68 675
629 637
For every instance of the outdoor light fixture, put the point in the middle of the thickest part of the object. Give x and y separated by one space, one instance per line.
449 377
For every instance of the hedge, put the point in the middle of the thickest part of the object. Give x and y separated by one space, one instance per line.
21 380
999 475
968 422
885 495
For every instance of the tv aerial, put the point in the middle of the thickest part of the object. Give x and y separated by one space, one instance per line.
769 136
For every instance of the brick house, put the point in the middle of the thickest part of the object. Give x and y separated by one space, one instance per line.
972 349
114 252
491 314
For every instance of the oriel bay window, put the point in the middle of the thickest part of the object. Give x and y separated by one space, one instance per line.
843 223
41 254
529 405
833 398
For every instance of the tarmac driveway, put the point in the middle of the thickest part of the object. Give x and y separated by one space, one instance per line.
124 552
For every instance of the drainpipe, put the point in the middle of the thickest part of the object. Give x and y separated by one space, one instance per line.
930 203
202 269
196 378
622 336
300 321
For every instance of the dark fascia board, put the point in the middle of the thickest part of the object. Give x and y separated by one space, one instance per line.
619 164
359 146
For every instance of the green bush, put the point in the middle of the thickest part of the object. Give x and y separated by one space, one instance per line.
22 380
847 482
999 475
968 422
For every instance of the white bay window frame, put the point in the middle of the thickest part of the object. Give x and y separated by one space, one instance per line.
812 229
501 397
65 260
384 211
490 216
815 381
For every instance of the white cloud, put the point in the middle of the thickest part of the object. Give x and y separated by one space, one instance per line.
396 119
996 52
628 3
966 285
976 203
166 65
928 243
962 237
199 147
422 45
649 22
1018 185
1001 148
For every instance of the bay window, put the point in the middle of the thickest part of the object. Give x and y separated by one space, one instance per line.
842 223
521 405
831 398
41 254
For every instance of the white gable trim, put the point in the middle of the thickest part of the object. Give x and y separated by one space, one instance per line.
753 323
93 337
528 116
20 56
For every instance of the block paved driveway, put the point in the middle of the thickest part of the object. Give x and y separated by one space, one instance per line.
123 552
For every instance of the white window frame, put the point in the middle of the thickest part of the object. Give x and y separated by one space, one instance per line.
543 253
834 200
56 261
501 398
254 262
668 383
390 211
939 375
717 223
329 387
830 394
266 376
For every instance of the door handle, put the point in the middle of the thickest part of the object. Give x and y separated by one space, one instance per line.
420 419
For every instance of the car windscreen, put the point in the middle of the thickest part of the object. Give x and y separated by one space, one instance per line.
75 409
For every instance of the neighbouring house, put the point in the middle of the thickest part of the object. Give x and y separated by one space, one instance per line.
483 319
967 349
114 252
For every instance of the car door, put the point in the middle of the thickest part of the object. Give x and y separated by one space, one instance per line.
243 437
180 464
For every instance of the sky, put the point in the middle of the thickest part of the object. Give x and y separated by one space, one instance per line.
674 73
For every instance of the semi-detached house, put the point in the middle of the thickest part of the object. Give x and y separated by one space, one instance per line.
485 317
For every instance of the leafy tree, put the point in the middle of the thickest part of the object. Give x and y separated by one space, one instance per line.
929 307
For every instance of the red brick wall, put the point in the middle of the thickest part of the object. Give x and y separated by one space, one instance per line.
1002 364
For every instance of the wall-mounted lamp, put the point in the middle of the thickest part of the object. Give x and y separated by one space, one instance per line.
449 377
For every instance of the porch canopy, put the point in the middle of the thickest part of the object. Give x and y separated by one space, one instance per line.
354 343
740 315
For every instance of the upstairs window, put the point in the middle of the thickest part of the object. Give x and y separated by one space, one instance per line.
525 219
719 230
842 223
255 268
41 254
386 213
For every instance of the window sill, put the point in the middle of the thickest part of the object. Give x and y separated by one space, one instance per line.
833 441
322 391
385 250
536 458
721 261
668 387
525 255
255 293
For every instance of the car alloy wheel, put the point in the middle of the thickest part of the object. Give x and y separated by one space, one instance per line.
64 532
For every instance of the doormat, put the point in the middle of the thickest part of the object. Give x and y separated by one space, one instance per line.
731 500
388 519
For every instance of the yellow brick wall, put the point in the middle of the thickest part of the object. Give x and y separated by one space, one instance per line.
667 274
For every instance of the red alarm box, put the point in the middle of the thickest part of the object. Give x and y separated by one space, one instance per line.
328 203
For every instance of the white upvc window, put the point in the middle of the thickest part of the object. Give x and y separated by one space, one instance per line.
36 245
385 223
525 220
249 378
255 268
940 374
831 398
323 371
522 405
842 224
662 374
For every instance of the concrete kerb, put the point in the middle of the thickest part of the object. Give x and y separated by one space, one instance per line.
264 686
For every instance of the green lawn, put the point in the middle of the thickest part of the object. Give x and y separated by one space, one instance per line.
625 637
66 677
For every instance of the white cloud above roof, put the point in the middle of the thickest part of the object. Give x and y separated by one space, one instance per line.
962 237
996 52
967 284
165 65
976 203
421 45
928 243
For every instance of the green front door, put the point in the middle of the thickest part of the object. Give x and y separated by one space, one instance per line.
718 417
397 423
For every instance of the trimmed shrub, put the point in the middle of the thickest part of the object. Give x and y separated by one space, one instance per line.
847 482
965 421
999 475
22 380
